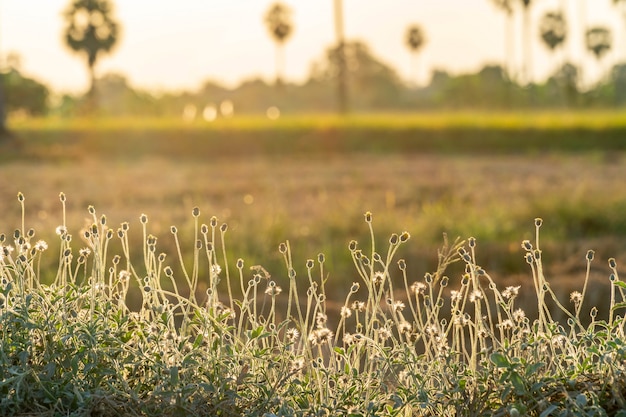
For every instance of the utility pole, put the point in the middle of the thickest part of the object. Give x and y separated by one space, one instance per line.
342 84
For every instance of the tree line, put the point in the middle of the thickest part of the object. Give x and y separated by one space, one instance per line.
347 77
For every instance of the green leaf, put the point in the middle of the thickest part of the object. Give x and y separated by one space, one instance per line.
621 284
619 305
500 360
174 375
532 369
198 341
256 332
548 411
518 382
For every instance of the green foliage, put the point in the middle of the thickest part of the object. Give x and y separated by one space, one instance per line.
438 345
24 95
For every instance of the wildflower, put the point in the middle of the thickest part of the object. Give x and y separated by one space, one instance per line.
384 333
320 336
296 365
41 246
292 334
355 287
124 276
348 339
576 297
273 290
418 288
398 306
455 296
378 278
358 306
519 315
475 295
461 320
404 327
321 319
483 333
215 270
511 292
345 312
61 230
506 324
84 252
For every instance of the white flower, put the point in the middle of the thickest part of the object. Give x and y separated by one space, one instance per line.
378 278
292 334
511 292
398 306
475 295
576 297
41 246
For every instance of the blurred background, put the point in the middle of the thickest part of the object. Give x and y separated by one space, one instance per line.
159 58
289 120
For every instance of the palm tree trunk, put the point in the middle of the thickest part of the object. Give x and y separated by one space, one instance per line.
583 29
509 45
342 85
527 64
280 63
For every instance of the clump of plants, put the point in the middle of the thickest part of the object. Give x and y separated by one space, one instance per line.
217 337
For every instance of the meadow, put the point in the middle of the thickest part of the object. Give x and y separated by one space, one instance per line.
283 193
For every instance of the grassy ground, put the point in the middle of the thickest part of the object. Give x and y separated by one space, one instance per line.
310 180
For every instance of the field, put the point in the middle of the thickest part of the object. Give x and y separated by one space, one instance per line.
309 182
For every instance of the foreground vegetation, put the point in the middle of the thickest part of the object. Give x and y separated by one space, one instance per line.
440 344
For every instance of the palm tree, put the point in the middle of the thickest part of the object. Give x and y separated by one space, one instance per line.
280 26
415 40
507 7
553 30
599 41
342 79
91 31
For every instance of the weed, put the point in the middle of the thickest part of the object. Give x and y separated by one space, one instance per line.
437 346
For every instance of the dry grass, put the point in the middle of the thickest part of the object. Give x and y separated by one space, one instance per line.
318 202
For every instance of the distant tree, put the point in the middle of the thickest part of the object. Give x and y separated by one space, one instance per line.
414 40
599 41
23 94
279 23
553 30
372 83
567 79
4 132
91 31
507 7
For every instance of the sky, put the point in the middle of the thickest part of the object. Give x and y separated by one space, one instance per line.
168 46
